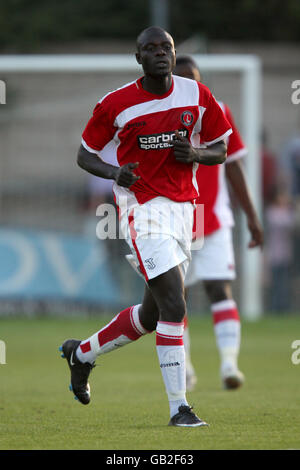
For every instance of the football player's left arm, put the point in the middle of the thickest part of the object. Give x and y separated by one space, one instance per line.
236 176
184 152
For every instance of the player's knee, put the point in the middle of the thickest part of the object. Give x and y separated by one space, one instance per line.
173 310
217 290
148 318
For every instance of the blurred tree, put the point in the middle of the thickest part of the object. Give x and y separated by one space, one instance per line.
29 24
238 19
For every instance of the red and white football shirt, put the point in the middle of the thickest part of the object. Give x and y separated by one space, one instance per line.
213 192
141 126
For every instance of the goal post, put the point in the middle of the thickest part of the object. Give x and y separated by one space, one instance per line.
249 68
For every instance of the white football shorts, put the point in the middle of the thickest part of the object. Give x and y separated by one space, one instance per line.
159 234
214 261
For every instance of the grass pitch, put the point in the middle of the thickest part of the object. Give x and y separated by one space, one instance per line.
129 408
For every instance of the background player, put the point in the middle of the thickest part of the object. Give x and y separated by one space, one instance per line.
154 124
214 263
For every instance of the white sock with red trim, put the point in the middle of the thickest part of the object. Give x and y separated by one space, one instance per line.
227 329
123 329
171 355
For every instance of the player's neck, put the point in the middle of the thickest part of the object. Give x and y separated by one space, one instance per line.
157 85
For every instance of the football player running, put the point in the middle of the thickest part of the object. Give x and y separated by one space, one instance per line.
154 125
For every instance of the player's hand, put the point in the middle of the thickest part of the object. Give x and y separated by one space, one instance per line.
125 175
183 150
257 235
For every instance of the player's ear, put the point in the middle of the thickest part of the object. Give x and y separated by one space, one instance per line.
138 57
174 64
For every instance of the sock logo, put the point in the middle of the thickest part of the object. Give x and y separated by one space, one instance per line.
71 360
170 364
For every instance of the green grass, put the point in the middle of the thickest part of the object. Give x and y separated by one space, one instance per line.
129 408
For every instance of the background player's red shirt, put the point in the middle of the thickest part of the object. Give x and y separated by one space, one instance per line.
212 185
141 127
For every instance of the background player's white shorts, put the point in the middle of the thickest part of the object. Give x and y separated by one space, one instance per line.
215 260
159 234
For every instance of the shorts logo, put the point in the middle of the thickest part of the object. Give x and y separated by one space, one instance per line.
150 263
187 118
159 141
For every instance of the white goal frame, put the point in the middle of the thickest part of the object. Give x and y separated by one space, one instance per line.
249 68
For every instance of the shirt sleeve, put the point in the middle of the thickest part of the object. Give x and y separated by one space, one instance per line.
100 129
215 126
235 146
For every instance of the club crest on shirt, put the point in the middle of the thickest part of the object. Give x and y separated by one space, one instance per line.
187 118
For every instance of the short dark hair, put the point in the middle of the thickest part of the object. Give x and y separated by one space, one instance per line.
154 29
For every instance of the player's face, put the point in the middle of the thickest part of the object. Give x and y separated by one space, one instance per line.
187 71
156 54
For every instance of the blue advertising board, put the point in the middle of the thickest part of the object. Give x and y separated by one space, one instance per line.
44 265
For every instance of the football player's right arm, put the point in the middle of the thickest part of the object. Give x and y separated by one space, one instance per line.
236 175
92 163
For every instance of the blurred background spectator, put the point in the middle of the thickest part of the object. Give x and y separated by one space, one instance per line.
290 177
280 224
269 170
290 164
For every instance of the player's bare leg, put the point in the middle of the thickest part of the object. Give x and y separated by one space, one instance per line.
148 312
227 330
